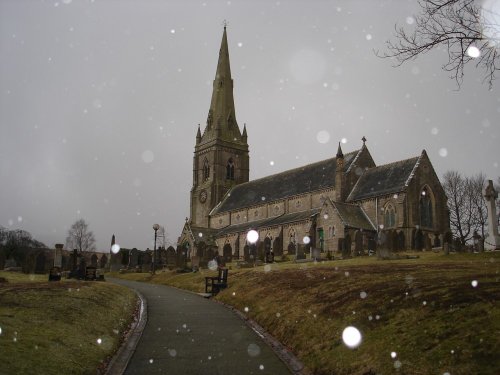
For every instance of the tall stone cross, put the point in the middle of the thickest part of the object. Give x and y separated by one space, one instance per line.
492 242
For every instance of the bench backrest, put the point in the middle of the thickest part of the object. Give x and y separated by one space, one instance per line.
223 275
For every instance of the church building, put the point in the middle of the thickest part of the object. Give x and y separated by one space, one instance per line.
345 204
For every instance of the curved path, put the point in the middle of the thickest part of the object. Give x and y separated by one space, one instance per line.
188 334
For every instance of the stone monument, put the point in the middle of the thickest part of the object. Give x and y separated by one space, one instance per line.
58 255
492 242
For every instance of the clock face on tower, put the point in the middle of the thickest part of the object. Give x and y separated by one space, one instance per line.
203 196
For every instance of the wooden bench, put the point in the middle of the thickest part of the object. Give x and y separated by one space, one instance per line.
213 285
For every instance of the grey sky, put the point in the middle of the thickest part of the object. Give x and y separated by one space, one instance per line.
100 101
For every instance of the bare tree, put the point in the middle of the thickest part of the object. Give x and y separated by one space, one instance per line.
469 33
468 211
80 237
13 240
476 186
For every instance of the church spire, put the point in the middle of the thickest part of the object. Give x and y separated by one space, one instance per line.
339 152
221 120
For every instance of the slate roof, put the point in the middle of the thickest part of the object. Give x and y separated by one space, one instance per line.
203 234
278 220
353 216
311 177
384 179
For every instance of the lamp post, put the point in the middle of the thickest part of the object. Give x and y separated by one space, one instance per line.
155 228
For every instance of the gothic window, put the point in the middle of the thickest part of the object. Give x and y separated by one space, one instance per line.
331 231
206 170
389 216
425 207
230 169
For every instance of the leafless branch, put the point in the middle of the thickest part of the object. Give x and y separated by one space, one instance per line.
456 26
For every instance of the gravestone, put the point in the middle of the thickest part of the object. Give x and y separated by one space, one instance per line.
427 243
116 262
93 260
146 262
300 252
195 263
171 257
316 254
492 242
58 255
82 268
133 259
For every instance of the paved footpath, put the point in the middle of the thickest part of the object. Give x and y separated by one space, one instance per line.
188 334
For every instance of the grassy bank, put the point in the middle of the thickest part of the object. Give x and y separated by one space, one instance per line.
66 327
436 314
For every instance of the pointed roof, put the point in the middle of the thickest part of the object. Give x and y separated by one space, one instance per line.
221 120
353 216
384 179
339 152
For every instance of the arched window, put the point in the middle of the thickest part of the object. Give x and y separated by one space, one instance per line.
230 169
389 216
206 170
425 207
331 231
291 235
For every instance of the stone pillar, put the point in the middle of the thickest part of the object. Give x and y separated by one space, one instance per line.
58 255
492 242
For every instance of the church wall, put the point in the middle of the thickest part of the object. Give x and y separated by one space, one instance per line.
220 220
319 197
299 203
230 239
238 217
301 230
276 209
327 219
425 176
257 212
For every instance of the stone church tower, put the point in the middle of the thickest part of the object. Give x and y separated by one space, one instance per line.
221 158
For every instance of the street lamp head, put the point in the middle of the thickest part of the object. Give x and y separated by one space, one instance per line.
156 227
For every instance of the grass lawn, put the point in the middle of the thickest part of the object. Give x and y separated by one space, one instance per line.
433 315
66 327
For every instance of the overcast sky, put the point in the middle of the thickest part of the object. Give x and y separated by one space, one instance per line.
100 103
